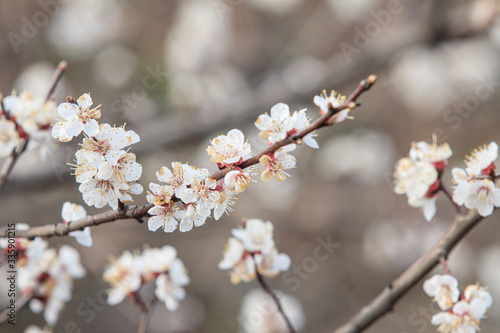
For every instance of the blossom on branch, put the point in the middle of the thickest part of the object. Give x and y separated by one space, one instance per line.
75 118
71 212
45 275
252 250
461 314
130 272
474 186
276 126
418 176
327 103
275 163
9 137
229 150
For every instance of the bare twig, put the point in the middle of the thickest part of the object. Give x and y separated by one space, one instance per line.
61 229
10 161
386 300
61 67
271 293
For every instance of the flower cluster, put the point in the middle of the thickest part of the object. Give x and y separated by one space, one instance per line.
277 127
460 313
196 190
475 186
106 171
189 195
71 212
25 117
45 274
251 250
418 176
127 274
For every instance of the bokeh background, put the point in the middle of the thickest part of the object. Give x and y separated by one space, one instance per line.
217 65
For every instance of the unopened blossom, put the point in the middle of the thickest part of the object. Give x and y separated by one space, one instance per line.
433 153
99 192
275 163
170 285
443 289
108 143
276 126
75 118
301 122
230 149
237 179
9 137
181 176
203 194
124 277
481 161
71 212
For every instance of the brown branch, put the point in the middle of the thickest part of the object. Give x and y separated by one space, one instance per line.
61 229
386 300
61 67
275 298
8 165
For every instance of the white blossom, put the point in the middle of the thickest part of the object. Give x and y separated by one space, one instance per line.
9 137
275 163
481 161
71 212
75 118
230 149
276 126
443 289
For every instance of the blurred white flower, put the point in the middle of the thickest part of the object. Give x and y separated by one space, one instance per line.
71 212
481 162
9 137
258 313
443 289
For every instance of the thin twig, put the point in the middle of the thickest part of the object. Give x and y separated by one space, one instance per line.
448 194
11 160
61 67
275 298
386 300
443 262
61 229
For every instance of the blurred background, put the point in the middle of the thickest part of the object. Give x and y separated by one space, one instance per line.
182 72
